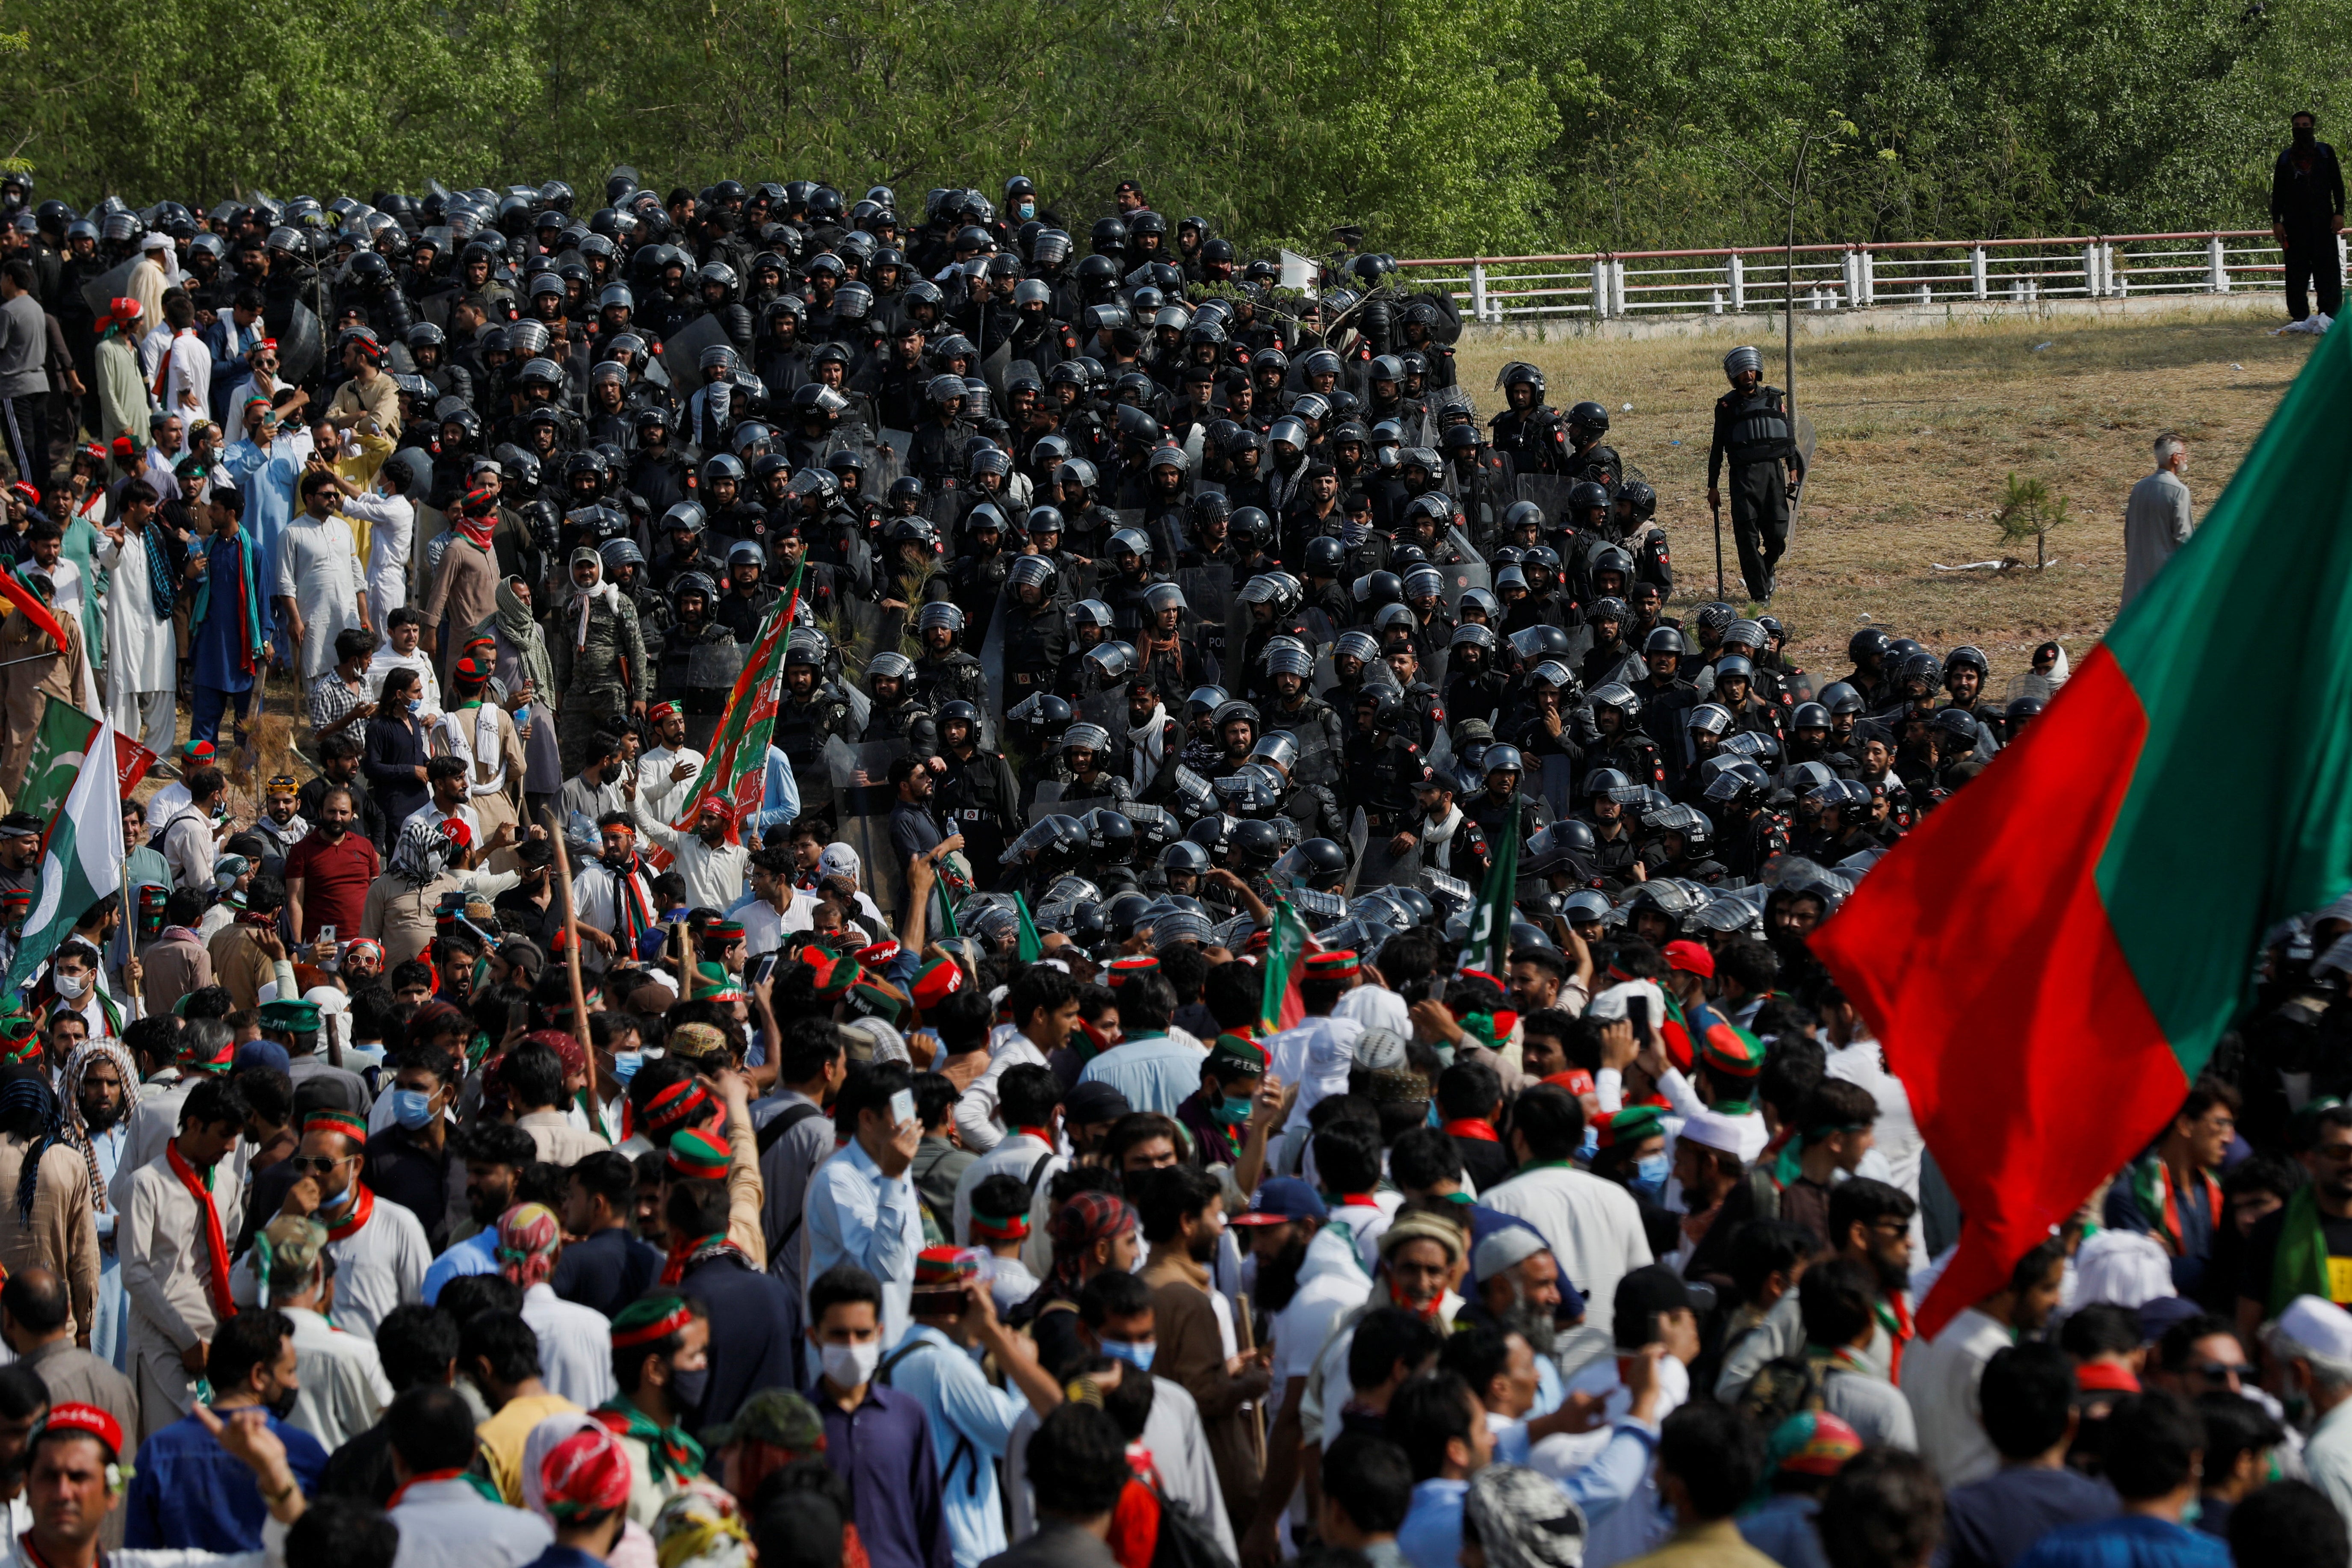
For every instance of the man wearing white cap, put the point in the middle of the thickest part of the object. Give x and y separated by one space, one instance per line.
2313 1339
1708 1163
156 272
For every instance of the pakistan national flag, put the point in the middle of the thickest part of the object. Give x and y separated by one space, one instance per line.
60 747
81 864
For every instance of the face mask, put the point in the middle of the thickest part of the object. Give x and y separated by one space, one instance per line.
71 986
412 1108
415 703
626 1063
687 1388
1138 1356
851 1367
1649 1174
1235 1110
283 1406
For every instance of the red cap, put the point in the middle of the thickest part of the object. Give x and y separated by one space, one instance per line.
2105 1377
87 1418
1691 958
587 1473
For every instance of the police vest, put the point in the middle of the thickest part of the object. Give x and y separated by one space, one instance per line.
1759 429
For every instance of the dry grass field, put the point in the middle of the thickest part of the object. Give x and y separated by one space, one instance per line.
1918 431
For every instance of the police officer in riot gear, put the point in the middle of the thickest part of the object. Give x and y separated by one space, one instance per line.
976 795
1755 435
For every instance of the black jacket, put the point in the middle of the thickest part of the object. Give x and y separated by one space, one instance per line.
2307 192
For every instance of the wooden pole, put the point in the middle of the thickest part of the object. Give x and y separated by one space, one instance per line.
570 934
1247 1333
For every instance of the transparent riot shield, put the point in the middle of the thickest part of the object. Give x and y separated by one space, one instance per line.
1465 571
100 292
1553 783
992 656
863 801
684 347
1049 802
1452 895
1209 592
897 442
1378 865
1318 762
1548 491
1358 836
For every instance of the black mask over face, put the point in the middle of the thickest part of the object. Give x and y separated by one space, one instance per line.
2306 136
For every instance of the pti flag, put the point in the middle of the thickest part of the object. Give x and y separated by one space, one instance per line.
61 745
2052 956
81 864
1488 945
1279 1005
737 771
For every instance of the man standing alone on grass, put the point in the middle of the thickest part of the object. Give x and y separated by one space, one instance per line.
2156 519
2306 215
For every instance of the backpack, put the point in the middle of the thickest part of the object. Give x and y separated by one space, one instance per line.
963 1446
1783 1386
1183 1540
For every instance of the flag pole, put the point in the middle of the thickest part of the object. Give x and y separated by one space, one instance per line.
570 934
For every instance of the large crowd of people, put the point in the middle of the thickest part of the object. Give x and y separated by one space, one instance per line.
481 1138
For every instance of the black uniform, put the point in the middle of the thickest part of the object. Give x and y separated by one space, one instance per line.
978 797
2306 200
1754 433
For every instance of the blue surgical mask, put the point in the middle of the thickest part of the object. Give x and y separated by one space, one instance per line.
412 1108
1591 1146
415 703
1138 1356
626 1063
1649 1174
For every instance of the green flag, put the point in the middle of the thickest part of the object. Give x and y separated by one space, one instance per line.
1489 942
1032 948
1279 1006
81 864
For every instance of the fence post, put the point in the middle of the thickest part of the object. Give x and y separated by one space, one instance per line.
1477 290
2216 272
1869 279
2092 286
1617 289
1736 270
1599 288
1976 272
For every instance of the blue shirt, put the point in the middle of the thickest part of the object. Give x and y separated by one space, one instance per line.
1431 1536
971 1422
855 1215
1784 1531
2127 1541
780 794
883 1449
190 1493
1156 1072
477 1254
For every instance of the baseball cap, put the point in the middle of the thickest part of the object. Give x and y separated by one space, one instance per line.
1280 1201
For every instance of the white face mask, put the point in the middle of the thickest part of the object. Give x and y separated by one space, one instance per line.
851 1367
71 986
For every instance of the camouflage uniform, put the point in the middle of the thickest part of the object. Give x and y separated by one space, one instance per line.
596 683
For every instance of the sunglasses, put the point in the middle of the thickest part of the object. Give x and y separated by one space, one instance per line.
320 1163
2217 1369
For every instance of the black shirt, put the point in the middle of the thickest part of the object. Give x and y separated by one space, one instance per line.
397 1167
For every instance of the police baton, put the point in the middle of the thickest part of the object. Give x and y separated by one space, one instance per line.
1717 506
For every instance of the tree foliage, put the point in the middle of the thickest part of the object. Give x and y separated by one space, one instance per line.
1441 126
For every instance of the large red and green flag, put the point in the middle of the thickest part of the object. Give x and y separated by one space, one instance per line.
81 864
1488 946
61 745
1279 1005
736 770
2051 958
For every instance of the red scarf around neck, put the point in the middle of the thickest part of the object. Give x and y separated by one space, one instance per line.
200 1187
1476 1127
363 1210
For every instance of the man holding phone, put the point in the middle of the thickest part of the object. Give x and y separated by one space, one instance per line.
862 1207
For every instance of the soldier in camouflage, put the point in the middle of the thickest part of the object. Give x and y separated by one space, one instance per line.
599 655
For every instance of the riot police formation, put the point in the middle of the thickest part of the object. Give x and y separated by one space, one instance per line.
1158 570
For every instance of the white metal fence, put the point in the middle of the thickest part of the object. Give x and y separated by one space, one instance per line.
1501 288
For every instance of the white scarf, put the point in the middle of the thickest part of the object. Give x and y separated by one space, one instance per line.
1437 839
1151 739
483 749
603 593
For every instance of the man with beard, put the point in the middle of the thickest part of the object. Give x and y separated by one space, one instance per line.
1870 1223
713 867
1308 1279
616 898
330 869
1183 1218
98 1081
497 1154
